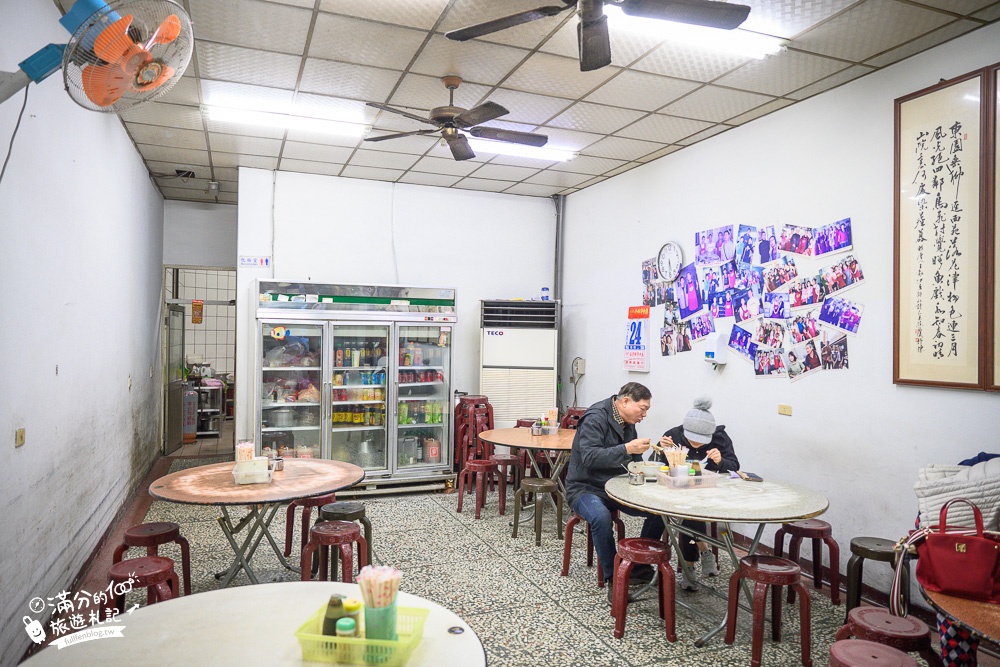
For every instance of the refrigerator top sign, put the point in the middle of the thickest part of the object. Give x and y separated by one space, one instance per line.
284 296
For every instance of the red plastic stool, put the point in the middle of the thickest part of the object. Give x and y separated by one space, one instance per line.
572 417
340 535
819 532
568 543
151 536
307 505
905 633
861 653
775 572
634 550
155 573
482 469
505 463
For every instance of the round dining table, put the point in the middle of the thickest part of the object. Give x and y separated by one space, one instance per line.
982 619
249 625
214 484
554 447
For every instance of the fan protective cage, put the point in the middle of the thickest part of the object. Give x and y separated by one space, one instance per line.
147 16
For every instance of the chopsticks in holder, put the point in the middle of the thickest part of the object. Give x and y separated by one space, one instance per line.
379 585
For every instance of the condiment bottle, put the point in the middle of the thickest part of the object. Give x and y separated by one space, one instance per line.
352 608
334 612
346 627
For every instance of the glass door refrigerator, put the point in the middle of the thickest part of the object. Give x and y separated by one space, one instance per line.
360 374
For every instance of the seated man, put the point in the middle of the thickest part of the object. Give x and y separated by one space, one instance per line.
703 439
604 444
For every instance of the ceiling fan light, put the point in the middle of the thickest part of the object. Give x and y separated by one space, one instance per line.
282 120
520 150
738 42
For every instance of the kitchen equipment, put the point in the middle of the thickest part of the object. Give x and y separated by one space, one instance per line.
282 417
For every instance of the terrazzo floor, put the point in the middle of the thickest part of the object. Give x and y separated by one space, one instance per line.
508 590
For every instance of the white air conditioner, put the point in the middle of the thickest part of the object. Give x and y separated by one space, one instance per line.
518 358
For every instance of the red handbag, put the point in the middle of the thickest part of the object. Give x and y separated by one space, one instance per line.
957 561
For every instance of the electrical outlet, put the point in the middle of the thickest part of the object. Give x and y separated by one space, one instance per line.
130 383
784 410
150 371
579 366
19 437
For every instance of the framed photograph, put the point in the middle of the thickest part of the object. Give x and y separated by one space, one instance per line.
940 230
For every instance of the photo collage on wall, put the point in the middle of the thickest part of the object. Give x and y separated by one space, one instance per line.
774 292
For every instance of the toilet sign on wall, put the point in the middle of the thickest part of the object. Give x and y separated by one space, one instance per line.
637 339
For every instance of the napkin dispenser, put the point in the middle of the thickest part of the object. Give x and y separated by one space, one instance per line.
258 470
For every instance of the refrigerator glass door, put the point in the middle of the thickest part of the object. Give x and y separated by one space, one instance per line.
291 388
358 395
424 387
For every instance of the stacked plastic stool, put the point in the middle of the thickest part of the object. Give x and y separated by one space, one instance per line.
152 536
154 573
904 633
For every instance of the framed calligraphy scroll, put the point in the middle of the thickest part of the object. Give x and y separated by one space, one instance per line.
940 235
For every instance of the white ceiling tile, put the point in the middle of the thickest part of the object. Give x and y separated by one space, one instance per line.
958 6
628 166
781 73
501 172
626 45
226 173
621 148
990 13
243 96
563 179
251 23
236 160
333 108
323 138
528 107
837 79
232 143
260 68
447 166
364 42
715 104
308 167
185 194
662 129
641 90
382 159
371 173
417 145
688 62
762 110
413 13
656 154
243 129
533 190
923 43
593 181
870 28
583 164
514 161
184 184
177 155
471 12
295 150
482 184
426 92
554 75
569 140
184 91
787 18
599 118
474 61
159 135
349 81
442 151
159 113
704 134
418 178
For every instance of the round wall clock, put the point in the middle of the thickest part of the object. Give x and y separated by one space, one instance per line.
669 261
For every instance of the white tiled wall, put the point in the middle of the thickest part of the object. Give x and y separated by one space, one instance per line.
214 340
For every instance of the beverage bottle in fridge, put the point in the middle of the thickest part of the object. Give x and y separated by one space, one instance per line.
403 413
420 450
418 355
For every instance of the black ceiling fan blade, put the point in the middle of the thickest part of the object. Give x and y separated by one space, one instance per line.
399 134
510 136
594 42
386 107
709 13
483 113
480 29
459 145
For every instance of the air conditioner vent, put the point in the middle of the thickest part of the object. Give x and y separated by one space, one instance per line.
520 315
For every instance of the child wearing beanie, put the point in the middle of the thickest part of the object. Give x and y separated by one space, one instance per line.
704 440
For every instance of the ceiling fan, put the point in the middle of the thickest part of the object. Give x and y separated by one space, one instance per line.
450 119
592 29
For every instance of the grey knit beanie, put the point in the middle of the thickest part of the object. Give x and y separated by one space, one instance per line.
699 424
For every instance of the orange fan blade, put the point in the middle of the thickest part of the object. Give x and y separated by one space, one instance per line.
167 32
113 44
104 84
153 75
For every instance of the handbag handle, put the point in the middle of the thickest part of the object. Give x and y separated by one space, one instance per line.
975 511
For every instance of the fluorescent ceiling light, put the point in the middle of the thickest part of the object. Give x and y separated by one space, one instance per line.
520 150
738 42
283 120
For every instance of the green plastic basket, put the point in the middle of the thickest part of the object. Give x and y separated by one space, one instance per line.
318 647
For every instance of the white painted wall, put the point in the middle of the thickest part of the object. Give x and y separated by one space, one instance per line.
199 234
854 435
81 276
341 230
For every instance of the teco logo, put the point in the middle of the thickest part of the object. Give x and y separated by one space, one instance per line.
493 333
